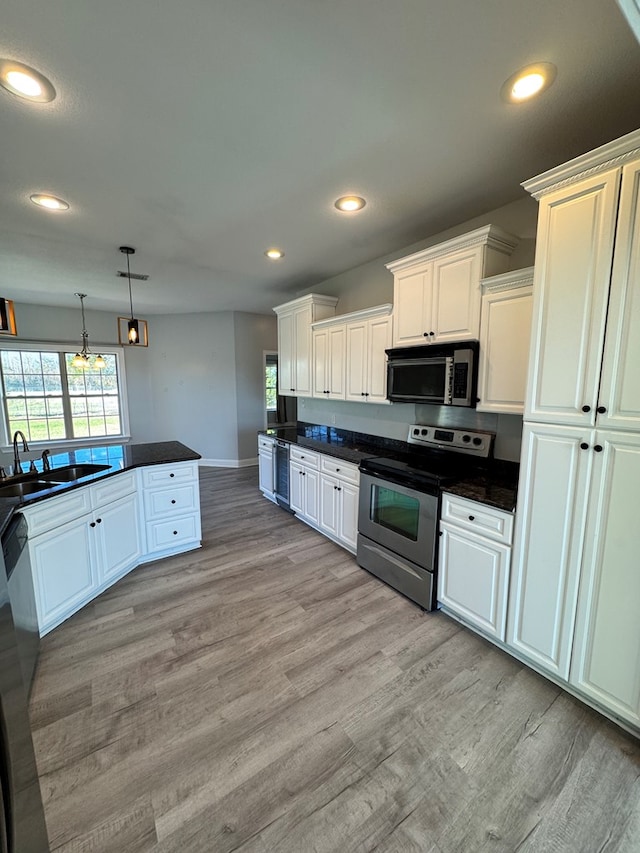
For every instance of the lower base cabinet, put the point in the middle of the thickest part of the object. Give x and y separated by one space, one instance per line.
474 562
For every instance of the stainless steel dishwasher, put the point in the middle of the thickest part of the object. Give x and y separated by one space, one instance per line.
22 596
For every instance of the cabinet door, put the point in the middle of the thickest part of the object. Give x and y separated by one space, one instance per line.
336 359
574 250
550 524
286 354
265 470
412 307
356 361
620 386
378 340
606 659
320 339
456 296
505 332
311 483
119 538
302 320
348 515
296 487
473 578
329 504
63 564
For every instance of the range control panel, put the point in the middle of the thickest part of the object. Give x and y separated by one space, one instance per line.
459 440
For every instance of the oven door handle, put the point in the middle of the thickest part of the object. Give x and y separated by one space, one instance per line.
391 559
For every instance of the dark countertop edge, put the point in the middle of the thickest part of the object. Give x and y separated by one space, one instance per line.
133 456
504 499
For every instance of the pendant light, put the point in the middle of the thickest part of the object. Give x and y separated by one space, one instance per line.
133 326
82 358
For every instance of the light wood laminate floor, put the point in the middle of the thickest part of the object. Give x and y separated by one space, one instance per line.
266 695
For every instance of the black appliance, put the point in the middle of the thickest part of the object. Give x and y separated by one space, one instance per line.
22 826
399 507
281 473
22 596
443 374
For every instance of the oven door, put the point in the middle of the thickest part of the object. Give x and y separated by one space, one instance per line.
399 518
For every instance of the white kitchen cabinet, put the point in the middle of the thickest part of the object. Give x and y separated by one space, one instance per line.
437 291
304 494
329 357
339 501
555 470
606 650
117 540
368 337
473 564
295 341
171 509
505 332
266 450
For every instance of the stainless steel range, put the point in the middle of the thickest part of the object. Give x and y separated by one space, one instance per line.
399 507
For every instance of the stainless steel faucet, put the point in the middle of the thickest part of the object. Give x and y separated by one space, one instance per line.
17 467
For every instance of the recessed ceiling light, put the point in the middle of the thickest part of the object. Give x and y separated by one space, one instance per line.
527 82
49 201
350 203
25 82
274 254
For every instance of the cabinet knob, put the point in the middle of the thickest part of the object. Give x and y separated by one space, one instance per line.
92 524
584 446
337 469
338 488
586 408
601 410
432 334
292 389
362 393
334 488
172 475
98 521
175 532
303 473
472 518
597 448
425 334
172 502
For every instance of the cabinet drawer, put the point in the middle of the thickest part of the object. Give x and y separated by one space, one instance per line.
159 503
304 456
265 443
166 534
337 468
478 518
58 510
112 488
165 475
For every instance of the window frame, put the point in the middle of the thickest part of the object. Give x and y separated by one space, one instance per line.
88 441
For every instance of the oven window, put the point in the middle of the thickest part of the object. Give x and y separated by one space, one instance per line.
395 511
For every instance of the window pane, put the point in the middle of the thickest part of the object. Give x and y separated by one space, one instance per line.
11 362
31 362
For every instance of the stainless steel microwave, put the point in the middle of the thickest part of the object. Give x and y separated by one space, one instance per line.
443 374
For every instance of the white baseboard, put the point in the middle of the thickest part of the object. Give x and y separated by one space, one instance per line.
227 463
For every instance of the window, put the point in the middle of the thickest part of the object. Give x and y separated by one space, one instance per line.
271 382
49 400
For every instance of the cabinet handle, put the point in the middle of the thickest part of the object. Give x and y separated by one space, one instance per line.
586 408
337 469
362 393
292 389
334 488
425 334
172 502
366 394
601 410
432 334
584 446
597 448
472 518
92 524
172 475
338 488
303 473
98 521
175 532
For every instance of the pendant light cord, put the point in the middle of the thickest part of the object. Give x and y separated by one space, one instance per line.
129 277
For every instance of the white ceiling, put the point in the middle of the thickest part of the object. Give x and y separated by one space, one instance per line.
203 132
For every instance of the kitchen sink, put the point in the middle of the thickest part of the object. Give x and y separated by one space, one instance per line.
19 490
70 472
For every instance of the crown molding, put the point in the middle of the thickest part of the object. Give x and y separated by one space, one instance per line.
354 316
508 280
489 235
309 299
610 156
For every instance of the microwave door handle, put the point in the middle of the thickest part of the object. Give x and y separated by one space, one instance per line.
448 381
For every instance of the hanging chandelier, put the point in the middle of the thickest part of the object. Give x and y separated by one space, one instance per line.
83 357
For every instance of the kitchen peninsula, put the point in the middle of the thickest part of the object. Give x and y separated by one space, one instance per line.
85 534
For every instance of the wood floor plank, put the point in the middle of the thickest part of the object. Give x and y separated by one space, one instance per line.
264 694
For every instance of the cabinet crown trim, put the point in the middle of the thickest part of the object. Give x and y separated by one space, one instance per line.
309 299
508 280
489 235
354 316
609 156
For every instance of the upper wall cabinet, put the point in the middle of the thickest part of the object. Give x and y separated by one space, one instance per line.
295 341
586 314
505 330
329 360
437 291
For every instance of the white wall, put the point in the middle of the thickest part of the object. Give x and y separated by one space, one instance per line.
254 334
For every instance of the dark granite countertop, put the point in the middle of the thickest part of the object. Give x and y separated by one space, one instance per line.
119 457
494 482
